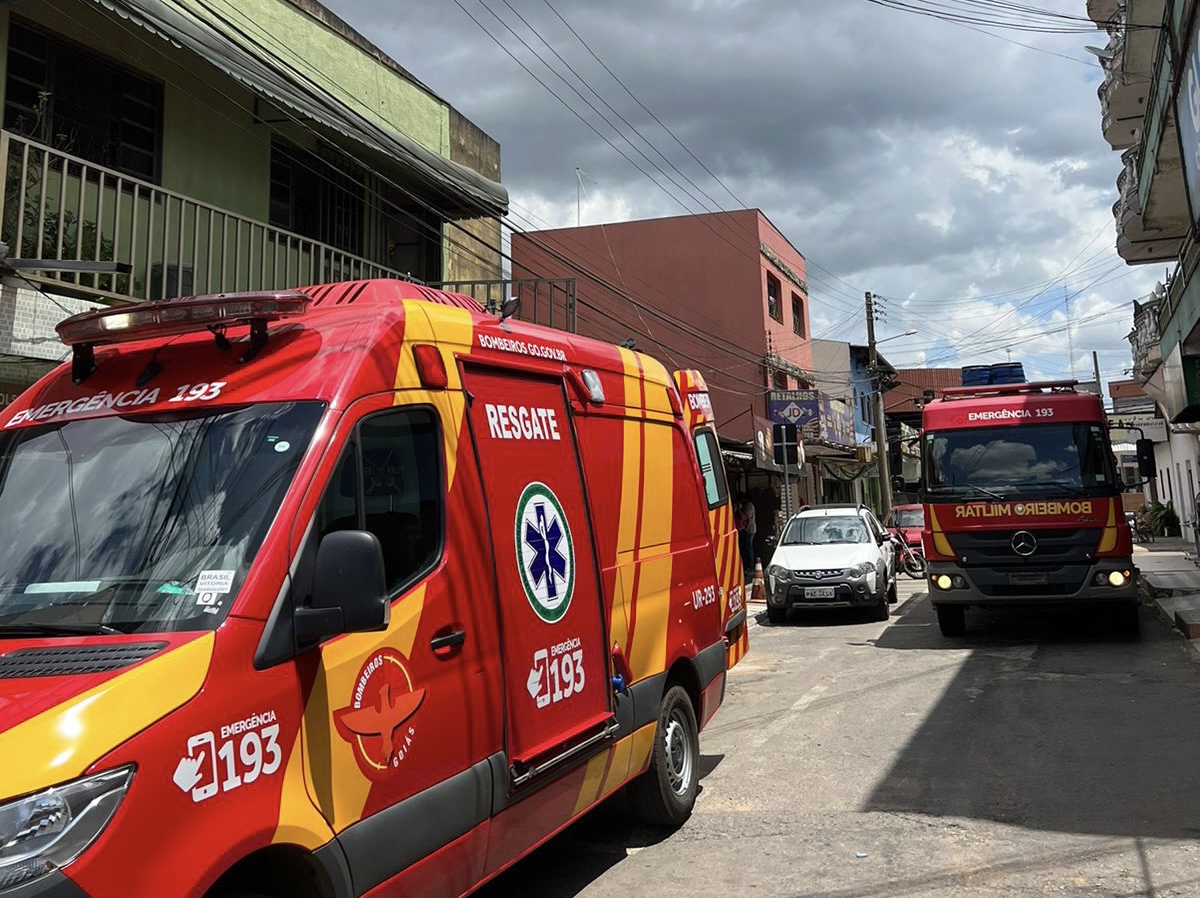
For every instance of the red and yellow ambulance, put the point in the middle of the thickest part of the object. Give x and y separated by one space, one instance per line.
352 590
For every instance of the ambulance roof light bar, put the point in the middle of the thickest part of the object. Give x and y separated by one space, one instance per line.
173 317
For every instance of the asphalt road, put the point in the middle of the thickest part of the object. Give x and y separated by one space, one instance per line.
1041 755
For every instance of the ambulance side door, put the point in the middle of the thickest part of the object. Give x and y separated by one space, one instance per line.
403 719
553 644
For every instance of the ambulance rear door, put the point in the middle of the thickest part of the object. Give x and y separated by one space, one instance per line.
557 700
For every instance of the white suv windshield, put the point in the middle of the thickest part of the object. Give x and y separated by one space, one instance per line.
141 523
825 530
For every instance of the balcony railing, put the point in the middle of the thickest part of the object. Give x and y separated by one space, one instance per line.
58 206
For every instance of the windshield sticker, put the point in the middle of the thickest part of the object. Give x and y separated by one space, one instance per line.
377 720
209 602
215 581
545 552
64 586
281 445
207 768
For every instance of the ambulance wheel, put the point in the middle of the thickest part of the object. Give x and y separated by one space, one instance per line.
952 619
664 794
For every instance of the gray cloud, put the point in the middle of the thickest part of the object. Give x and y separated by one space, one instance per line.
900 154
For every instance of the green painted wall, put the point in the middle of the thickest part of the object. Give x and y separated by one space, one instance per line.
326 58
211 148
215 140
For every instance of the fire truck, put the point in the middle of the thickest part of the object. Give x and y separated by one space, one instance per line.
1023 502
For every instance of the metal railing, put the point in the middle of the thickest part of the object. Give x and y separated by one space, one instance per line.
58 206
548 301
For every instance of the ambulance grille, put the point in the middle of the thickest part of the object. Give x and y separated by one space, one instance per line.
77 659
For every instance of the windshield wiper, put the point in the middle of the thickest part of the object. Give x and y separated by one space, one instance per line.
954 487
1054 485
32 629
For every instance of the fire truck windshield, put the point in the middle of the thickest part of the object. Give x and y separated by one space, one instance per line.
141 523
1004 461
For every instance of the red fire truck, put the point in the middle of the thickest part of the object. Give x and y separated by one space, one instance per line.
1022 502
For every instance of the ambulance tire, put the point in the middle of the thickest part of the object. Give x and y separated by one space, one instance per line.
664 794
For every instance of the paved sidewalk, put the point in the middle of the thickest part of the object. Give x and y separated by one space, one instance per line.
1171 580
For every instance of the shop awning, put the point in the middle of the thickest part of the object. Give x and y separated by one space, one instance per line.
232 48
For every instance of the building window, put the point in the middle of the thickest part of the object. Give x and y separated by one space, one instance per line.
797 314
74 101
315 197
774 298
779 380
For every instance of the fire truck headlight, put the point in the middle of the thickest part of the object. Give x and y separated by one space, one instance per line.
942 581
1118 578
49 829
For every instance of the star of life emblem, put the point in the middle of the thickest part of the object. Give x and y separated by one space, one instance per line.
545 552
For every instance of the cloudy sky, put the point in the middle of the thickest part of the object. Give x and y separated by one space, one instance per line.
956 169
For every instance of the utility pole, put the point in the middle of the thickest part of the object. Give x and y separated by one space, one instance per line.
881 446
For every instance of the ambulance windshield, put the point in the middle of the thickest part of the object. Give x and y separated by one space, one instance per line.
141 523
1005 461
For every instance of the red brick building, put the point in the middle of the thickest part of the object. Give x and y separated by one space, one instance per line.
722 292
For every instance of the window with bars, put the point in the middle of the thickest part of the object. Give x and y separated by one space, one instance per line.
317 197
78 102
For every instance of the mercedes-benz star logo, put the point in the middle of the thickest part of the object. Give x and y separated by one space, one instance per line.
1023 543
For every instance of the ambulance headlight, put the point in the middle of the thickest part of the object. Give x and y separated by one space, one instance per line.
47 830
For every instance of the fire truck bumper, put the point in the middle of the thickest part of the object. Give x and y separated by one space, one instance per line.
1104 581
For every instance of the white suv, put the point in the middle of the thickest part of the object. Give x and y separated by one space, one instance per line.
832 556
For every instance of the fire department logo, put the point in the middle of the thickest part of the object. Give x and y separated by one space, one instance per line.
545 552
376 722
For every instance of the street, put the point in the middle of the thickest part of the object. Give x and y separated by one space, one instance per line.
1040 755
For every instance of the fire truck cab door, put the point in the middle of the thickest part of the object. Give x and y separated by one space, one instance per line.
555 667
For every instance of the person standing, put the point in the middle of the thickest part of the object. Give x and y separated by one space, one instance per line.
744 514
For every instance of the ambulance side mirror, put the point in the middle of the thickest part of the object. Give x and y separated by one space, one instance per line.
349 588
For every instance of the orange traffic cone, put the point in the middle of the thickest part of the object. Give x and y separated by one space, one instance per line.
758 590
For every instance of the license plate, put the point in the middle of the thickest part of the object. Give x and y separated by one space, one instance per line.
818 592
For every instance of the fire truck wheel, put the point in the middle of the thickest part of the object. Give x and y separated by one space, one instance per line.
664 794
952 619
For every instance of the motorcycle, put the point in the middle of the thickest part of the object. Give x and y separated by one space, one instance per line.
909 558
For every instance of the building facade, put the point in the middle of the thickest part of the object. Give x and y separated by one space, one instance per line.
1150 114
725 293
220 146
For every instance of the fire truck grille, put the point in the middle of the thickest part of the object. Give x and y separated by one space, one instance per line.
1056 566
